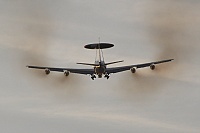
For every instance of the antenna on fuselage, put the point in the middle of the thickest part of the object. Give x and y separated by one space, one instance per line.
99 46
100 50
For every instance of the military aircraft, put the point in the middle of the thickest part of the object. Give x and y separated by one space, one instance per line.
99 66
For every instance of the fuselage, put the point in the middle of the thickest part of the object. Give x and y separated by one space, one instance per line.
100 69
100 65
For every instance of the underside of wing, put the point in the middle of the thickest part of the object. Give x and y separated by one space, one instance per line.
71 70
125 68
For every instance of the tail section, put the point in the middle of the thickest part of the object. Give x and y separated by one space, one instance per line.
90 64
99 59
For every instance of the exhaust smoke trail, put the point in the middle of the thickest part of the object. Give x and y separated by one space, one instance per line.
168 31
32 45
172 32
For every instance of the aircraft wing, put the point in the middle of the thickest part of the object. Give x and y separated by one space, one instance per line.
125 68
71 70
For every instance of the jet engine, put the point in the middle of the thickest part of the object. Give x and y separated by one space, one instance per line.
152 67
47 71
66 73
133 70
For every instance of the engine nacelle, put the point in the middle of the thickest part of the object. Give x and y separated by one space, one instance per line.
47 71
66 73
152 67
133 70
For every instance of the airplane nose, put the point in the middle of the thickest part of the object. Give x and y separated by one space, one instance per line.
99 70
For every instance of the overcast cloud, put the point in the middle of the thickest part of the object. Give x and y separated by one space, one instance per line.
53 33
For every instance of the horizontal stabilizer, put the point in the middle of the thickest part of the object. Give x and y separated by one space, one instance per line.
114 62
89 64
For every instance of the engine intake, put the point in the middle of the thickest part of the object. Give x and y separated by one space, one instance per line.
133 70
152 67
47 71
66 73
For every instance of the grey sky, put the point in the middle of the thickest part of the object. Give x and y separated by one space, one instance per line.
53 33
